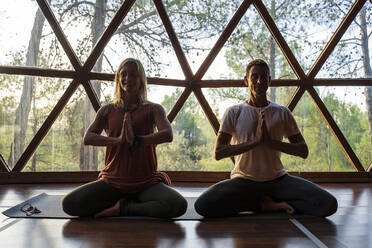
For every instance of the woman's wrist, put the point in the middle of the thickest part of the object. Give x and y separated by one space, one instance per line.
137 141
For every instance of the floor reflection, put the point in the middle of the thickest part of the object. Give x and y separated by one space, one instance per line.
120 233
257 233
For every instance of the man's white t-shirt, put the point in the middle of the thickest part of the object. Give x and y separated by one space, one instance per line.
260 163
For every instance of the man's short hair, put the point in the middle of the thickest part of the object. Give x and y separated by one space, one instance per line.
259 62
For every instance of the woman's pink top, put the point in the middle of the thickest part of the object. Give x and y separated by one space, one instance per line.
131 171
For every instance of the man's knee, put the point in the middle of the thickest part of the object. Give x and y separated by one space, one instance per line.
207 206
200 207
330 207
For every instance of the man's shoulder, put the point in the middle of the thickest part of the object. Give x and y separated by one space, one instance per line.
236 108
278 107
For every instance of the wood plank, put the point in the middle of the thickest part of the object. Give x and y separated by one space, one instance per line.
227 83
177 107
101 76
296 98
91 94
35 71
342 82
217 83
3 165
348 227
168 82
207 109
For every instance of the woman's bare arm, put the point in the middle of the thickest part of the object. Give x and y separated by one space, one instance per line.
164 129
93 134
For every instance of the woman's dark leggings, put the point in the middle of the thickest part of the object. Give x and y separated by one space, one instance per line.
158 200
232 196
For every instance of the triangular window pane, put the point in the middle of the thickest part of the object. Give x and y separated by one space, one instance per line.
325 153
142 36
62 148
307 26
193 140
21 119
347 105
250 40
27 39
84 22
198 25
349 59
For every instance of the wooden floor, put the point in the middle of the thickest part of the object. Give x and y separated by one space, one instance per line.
351 226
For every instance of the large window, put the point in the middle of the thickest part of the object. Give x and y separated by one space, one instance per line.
58 59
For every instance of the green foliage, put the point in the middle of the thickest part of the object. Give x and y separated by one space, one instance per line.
186 150
325 153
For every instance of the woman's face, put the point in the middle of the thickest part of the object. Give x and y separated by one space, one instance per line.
130 80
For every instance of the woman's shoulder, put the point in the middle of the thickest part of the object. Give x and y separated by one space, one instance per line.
108 106
105 109
153 105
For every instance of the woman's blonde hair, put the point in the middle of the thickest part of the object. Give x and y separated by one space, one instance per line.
119 98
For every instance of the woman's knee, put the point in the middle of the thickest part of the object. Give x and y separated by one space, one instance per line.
76 205
172 203
178 208
69 205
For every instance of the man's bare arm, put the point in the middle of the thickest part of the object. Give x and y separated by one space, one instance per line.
296 147
223 149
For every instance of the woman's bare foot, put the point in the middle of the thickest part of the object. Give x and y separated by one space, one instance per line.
111 211
268 205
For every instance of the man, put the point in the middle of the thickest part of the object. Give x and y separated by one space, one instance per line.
258 181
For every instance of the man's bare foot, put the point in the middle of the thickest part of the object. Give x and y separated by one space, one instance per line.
111 211
268 205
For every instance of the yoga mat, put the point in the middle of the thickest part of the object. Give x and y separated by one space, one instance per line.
50 207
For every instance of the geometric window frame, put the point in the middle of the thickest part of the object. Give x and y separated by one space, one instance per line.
82 75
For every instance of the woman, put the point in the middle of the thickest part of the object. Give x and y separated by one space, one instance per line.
130 184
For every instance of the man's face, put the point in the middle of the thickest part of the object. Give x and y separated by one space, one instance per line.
258 80
130 79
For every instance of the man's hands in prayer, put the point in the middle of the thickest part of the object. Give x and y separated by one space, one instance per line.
262 136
